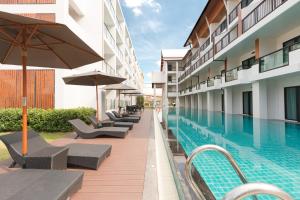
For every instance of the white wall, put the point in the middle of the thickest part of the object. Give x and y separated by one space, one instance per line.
237 98
275 93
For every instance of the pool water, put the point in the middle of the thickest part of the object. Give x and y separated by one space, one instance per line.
265 150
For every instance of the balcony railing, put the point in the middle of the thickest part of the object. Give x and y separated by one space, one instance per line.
205 44
108 69
260 12
273 60
110 7
109 36
227 39
210 82
234 13
232 74
172 81
220 29
120 54
208 55
196 54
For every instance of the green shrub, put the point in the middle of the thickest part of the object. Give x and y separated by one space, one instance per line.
140 101
10 119
50 120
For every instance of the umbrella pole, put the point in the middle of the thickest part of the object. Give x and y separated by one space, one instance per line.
24 103
97 103
119 108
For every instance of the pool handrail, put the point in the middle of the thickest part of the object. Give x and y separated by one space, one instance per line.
250 189
201 149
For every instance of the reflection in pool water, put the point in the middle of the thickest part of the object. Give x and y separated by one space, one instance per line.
266 150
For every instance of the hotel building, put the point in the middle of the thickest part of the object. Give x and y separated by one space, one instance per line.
244 58
102 26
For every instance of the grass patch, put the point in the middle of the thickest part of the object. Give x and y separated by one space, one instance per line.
49 137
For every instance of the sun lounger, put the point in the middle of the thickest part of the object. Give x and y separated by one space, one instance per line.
125 115
114 124
123 119
86 132
35 184
42 155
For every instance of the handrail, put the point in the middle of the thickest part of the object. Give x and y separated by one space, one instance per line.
201 149
250 189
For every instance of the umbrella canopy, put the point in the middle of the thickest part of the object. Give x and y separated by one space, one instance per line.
45 44
26 41
94 78
119 87
132 92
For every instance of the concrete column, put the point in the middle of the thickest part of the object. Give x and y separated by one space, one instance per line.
192 103
260 100
210 101
177 89
200 106
181 102
186 104
228 100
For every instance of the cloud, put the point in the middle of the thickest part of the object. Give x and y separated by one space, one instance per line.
137 5
137 11
149 75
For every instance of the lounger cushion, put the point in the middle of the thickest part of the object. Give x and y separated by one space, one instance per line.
124 124
87 132
33 184
124 119
87 155
40 154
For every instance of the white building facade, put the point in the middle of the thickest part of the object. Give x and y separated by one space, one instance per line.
102 26
244 58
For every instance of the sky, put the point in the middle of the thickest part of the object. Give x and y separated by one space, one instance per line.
159 24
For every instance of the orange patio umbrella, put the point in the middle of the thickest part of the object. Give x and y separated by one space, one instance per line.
94 78
26 41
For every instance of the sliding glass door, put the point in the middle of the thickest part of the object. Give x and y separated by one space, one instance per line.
247 103
223 103
292 103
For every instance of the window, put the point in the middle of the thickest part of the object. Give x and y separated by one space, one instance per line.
292 103
247 64
169 67
223 26
245 3
290 45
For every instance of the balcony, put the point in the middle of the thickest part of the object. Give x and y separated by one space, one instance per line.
109 37
227 39
261 11
277 59
221 28
205 44
210 82
234 14
120 54
172 93
110 8
173 81
231 75
108 69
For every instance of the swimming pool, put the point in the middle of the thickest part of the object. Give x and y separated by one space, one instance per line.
265 150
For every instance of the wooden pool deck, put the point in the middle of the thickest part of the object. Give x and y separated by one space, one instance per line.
122 174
